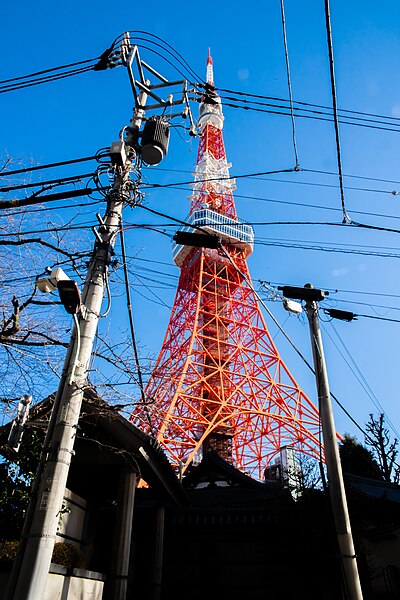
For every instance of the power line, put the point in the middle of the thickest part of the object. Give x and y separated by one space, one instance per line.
260 177
169 49
353 225
275 284
303 170
295 244
353 176
316 115
336 291
372 306
209 179
360 377
356 315
366 293
329 185
312 370
48 166
130 315
289 85
320 248
37 78
67 227
346 218
158 301
316 206
24 186
51 208
62 67
35 199
382 306
322 106
323 115
303 358
39 81
285 112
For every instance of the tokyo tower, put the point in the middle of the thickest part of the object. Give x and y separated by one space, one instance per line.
219 382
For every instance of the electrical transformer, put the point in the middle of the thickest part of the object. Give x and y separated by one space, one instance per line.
155 139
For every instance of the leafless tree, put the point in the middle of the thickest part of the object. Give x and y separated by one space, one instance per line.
34 328
383 447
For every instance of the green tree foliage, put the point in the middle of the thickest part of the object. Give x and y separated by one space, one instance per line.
14 499
16 475
358 460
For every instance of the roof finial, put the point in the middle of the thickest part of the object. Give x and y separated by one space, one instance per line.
210 73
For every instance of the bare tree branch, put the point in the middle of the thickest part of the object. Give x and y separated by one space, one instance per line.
40 241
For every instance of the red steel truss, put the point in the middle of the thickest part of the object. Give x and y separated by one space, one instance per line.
219 381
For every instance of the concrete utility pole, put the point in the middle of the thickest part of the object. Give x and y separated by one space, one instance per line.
31 566
30 569
333 464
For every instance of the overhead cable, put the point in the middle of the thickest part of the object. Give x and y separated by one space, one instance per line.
35 199
166 185
289 84
39 81
303 358
260 176
285 111
315 115
62 67
354 316
321 248
322 106
346 217
318 172
130 315
167 48
24 186
361 378
46 166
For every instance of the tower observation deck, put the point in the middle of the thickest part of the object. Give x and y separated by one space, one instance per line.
229 231
219 381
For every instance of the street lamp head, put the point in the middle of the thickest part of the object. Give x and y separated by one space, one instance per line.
69 295
292 306
49 284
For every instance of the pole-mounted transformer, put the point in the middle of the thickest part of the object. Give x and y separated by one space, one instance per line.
155 139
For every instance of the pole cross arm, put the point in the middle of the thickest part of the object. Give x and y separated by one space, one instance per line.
307 293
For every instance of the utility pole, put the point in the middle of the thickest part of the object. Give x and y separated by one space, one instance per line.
31 566
39 544
333 465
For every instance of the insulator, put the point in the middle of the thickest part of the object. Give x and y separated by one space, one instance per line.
155 138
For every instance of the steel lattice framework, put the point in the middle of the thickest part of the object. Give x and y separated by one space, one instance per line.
219 381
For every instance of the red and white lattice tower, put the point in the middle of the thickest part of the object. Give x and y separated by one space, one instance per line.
219 381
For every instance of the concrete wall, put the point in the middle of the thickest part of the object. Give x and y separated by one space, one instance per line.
80 585
73 521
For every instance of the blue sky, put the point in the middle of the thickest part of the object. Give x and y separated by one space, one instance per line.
77 116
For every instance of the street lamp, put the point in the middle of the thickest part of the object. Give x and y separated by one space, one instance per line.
68 289
49 284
